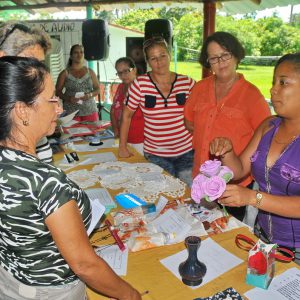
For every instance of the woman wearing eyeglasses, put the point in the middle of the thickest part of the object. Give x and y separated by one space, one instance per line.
18 39
81 86
161 95
223 104
45 252
126 70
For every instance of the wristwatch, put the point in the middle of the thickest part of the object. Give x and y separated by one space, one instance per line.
258 197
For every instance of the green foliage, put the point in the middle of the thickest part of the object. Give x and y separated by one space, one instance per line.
276 37
187 34
260 76
135 19
263 37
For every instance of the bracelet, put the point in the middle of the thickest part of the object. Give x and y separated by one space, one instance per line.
258 198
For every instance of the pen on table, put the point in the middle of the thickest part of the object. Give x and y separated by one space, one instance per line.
115 235
197 213
144 293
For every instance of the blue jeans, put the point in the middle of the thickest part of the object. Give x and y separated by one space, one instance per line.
179 166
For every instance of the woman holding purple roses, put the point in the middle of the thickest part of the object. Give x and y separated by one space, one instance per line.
272 156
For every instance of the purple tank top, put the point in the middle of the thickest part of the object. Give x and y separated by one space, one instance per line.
283 178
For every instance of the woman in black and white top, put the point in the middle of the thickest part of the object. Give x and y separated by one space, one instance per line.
45 252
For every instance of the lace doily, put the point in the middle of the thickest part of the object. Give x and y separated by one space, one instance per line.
142 179
150 190
83 178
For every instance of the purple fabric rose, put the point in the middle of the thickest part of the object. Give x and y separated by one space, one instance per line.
214 187
226 173
197 192
210 167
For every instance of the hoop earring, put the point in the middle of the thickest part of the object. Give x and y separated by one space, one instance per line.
25 123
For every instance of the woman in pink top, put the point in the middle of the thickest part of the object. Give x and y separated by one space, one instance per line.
126 70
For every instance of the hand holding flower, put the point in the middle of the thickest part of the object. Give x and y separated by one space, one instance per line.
220 146
235 195
211 182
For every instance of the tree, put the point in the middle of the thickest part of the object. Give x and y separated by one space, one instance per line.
245 30
277 38
188 35
136 19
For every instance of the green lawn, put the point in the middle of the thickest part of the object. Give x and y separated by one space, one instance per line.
260 76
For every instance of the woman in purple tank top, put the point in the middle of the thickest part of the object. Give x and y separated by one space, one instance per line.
273 158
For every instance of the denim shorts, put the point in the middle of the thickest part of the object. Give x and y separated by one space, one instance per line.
12 289
179 166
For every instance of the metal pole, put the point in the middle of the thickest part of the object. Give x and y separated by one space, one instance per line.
175 56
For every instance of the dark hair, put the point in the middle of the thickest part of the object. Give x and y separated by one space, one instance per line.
71 52
21 79
127 60
291 58
226 41
16 37
152 42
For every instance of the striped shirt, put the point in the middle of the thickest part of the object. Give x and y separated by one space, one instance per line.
165 133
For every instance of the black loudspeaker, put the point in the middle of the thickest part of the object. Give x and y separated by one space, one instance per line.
159 27
134 49
95 39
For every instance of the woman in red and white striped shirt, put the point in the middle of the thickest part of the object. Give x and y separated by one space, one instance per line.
161 95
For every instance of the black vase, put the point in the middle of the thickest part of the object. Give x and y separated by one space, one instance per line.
192 270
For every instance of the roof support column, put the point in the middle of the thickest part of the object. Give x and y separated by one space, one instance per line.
209 13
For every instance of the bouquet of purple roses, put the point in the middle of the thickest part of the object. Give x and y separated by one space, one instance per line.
210 184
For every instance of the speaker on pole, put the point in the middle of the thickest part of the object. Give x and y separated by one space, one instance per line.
159 27
134 50
95 39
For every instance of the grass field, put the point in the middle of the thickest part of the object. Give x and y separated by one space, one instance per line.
260 76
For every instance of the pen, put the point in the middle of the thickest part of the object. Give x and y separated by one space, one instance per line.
115 235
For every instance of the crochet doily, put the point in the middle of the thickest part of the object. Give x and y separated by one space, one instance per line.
142 179
83 178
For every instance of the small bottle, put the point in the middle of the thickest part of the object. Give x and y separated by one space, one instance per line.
162 238
146 209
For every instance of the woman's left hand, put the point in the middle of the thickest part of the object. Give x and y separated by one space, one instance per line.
236 196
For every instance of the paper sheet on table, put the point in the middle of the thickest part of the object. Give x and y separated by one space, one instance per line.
171 222
97 212
102 195
216 258
79 130
116 258
87 148
68 120
97 158
285 286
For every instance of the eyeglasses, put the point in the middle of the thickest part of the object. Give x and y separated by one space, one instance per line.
216 59
125 72
10 31
153 41
54 99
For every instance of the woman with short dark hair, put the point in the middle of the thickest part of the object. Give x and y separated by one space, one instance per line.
127 71
45 252
223 104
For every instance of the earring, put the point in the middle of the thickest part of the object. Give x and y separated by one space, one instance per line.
25 123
